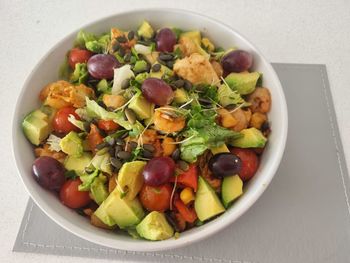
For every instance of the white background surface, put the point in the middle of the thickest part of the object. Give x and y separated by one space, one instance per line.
285 31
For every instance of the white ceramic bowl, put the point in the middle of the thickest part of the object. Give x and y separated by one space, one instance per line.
47 71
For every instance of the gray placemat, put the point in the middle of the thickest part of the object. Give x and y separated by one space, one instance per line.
304 215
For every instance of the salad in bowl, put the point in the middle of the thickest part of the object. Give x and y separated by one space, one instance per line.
151 131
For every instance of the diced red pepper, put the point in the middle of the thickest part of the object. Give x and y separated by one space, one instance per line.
188 214
107 125
94 138
188 178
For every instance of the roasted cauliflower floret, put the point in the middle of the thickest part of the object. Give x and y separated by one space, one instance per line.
196 69
260 100
115 33
63 94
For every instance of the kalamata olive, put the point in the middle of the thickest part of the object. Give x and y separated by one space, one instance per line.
225 164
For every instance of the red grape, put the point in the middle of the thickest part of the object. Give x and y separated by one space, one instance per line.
225 164
158 171
49 173
165 39
237 61
101 66
157 91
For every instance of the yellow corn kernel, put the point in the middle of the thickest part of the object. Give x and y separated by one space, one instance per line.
187 195
208 44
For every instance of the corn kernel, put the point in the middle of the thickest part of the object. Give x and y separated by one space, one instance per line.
187 195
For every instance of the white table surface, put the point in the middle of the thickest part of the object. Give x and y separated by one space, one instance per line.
285 31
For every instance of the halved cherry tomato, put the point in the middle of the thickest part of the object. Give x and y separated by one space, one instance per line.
156 198
70 195
250 162
94 137
189 214
77 55
107 125
61 124
188 178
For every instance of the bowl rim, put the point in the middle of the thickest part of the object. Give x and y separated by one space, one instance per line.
217 225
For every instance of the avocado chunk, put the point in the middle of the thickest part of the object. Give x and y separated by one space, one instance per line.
140 78
72 144
207 204
244 83
152 57
102 162
227 96
36 127
155 227
196 37
98 189
116 210
145 30
140 66
219 149
130 178
231 189
78 164
180 96
252 138
103 86
164 71
49 111
142 107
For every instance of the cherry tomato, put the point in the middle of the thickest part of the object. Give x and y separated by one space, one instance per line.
70 195
107 125
187 213
61 124
77 55
250 162
156 198
94 138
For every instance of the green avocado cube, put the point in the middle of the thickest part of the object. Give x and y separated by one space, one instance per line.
252 138
78 164
99 190
116 210
155 227
164 71
36 127
206 204
72 144
231 189
244 83
145 30
140 66
142 107
130 178
180 96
